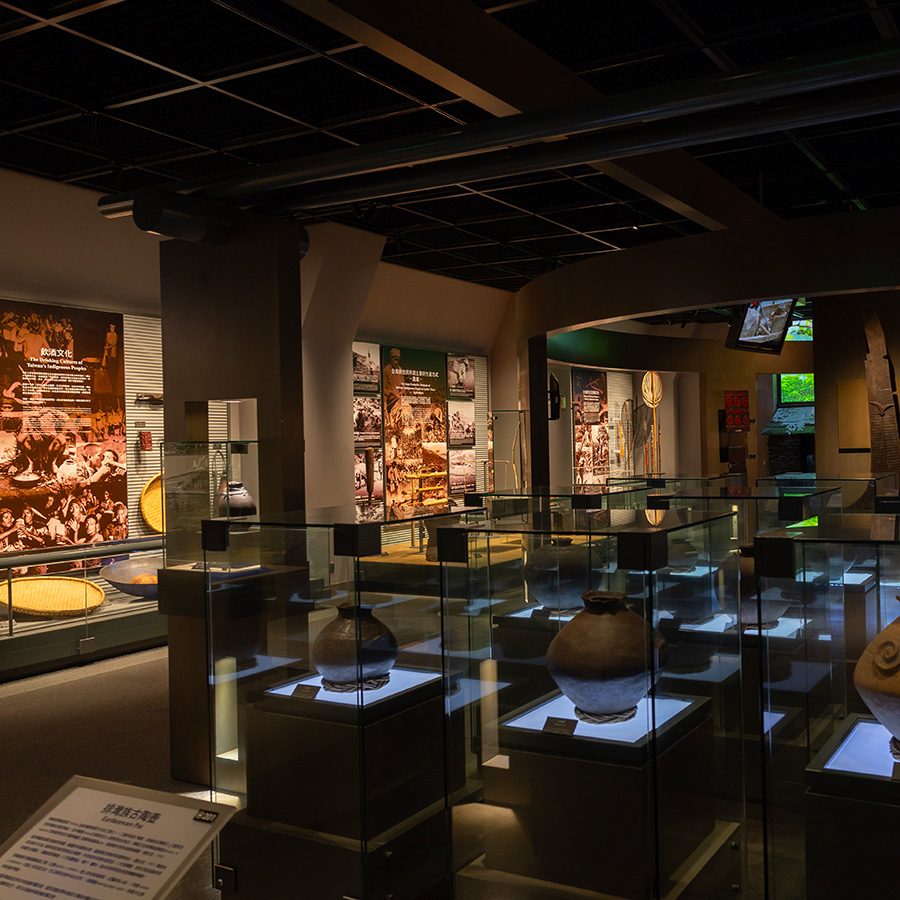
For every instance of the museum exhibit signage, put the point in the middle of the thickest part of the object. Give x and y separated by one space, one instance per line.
414 386
414 429
590 420
460 376
99 840
62 440
366 368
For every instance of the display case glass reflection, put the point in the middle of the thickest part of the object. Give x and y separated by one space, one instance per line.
329 695
837 577
608 644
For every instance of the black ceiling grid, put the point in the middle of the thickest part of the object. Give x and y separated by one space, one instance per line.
119 94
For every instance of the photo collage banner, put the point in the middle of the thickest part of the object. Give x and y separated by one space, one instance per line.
62 440
413 429
590 419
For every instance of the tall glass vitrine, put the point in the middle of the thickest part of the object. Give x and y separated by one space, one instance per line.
602 732
831 760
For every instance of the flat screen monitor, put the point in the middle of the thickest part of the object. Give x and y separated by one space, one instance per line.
760 327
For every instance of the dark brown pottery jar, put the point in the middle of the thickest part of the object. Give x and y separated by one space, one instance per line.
877 678
601 659
233 499
354 647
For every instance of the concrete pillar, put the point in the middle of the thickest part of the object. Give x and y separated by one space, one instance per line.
231 330
337 275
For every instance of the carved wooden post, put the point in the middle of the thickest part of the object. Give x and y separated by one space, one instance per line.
882 395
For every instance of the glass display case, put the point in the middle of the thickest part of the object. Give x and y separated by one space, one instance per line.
202 480
681 482
859 491
757 510
327 701
505 469
501 504
74 603
601 726
831 675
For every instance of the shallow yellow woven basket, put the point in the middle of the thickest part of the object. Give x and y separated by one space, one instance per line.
51 596
152 504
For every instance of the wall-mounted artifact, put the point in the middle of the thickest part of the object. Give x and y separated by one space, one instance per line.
53 596
152 504
556 573
603 659
354 650
233 499
877 679
149 399
737 411
652 392
881 387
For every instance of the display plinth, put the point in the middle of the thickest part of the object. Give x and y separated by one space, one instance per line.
346 792
272 861
239 630
852 813
555 786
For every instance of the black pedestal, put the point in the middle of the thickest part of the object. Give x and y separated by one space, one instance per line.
852 818
601 816
280 862
346 770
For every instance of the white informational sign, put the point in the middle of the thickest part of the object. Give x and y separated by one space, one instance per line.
99 840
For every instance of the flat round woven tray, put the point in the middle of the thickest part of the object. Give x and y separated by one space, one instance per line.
49 596
152 504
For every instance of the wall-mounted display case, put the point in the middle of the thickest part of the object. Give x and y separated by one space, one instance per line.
327 695
831 677
757 510
859 491
602 734
76 603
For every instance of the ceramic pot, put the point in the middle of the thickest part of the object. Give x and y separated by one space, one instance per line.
682 554
684 657
772 609
877 679
233 499
599 660
557 573
354 645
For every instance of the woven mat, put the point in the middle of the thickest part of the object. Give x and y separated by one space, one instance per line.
49 596
152 504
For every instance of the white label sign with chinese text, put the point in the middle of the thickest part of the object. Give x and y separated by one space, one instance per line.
98 840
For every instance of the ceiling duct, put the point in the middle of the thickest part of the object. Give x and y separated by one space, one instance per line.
683 99
841 105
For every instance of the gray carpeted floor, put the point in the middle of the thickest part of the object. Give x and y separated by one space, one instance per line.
105 720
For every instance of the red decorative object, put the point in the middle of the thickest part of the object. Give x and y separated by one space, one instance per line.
737 410
145 439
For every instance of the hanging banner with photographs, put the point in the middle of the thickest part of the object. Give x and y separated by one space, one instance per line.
460 376
463 470
369 476
415 429
461 415
62 441
590 418
366 361
367 420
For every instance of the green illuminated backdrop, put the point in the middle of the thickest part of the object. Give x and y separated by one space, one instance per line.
798 387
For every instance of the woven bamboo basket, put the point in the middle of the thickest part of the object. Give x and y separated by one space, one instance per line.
53 596
152 504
